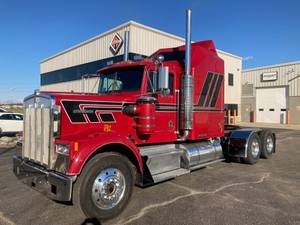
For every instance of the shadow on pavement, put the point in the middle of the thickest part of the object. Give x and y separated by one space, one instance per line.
2 152
91 221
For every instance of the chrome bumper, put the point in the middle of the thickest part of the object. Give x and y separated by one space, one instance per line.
55 186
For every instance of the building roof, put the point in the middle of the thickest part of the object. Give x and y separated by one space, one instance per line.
125 25
271 66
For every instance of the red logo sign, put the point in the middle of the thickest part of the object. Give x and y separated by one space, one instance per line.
116 43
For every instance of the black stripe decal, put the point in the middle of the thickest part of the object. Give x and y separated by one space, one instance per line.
217 91
73 111
91 114
93 102
205 89
195 110
107 117
211 89
76 115
165 107
166 110
170 105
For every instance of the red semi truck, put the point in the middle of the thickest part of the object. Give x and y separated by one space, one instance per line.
151 121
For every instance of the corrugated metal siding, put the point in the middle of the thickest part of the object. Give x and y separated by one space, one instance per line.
232 65
142 41
145 41
89 52
288 75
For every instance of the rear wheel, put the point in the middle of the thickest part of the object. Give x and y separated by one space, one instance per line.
253 149
105 186
267 143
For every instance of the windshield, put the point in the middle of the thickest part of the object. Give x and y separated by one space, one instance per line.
121 80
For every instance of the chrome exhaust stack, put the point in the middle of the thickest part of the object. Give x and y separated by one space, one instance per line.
126 45
188 83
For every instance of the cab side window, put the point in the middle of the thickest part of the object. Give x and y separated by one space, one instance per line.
152 83
171 83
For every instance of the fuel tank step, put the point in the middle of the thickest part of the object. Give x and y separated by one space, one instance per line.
161 158
169 175
163 162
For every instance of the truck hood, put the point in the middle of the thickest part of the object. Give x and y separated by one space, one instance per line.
79 108
88 97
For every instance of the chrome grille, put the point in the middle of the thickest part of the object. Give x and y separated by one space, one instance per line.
38 132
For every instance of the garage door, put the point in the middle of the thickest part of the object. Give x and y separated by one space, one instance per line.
271 105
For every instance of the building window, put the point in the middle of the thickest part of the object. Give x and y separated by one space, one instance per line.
230 79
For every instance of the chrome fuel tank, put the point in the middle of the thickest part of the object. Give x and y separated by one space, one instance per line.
200 152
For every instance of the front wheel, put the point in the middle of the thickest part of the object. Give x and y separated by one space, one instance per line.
105 186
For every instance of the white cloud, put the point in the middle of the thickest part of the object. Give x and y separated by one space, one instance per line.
247 58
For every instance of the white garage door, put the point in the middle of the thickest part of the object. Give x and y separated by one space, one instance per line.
271 105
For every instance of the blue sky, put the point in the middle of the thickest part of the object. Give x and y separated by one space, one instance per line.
264 32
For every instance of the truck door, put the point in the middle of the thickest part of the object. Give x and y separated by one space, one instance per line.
166 110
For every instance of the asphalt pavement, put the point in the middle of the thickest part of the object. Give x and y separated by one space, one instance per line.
222 193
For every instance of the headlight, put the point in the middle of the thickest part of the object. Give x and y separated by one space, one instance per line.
62 149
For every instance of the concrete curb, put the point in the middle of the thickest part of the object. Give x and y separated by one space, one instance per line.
271 125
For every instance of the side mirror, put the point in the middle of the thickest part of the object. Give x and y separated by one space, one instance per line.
163 80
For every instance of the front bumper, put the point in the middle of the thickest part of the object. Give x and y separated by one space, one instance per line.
55 186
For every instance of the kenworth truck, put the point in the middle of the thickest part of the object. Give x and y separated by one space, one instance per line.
151 121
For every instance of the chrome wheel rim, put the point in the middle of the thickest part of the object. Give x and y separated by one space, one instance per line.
255 148
270 144
108 188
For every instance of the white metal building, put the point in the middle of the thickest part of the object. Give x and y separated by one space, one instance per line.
70 69
272 94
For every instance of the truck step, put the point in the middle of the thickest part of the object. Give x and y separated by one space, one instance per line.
161 158
206 164
169 175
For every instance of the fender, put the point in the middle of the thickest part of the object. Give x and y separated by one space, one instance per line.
237 142
88 146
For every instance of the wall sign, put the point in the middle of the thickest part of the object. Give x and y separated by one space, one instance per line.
269 76
116 43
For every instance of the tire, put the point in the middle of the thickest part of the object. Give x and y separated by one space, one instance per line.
267 143
106 175
253 149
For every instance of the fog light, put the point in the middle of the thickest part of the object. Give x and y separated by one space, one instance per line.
62 149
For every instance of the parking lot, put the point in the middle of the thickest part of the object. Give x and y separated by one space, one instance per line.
223 193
